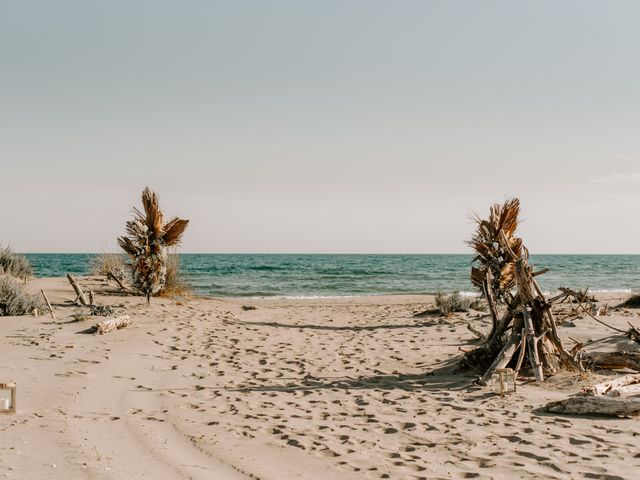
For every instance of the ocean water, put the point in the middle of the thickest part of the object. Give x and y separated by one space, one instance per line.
294 275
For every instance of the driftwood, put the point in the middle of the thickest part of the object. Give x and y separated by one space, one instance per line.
115 278
627 391
612 360
115 323
596 405
607 388
77 289
527 323
477 333
53 315
633 333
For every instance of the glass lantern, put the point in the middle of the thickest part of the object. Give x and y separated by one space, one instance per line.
503 381
7 397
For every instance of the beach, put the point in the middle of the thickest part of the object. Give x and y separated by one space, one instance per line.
356 387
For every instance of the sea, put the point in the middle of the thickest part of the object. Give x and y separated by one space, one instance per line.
315 276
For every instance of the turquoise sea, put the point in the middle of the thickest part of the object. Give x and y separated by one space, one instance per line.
305 275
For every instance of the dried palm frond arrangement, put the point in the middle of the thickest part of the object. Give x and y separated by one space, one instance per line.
146 243
502 273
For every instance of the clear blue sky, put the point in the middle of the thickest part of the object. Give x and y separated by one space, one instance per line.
326 126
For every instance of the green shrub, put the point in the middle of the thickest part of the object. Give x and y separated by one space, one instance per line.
14 264
14 300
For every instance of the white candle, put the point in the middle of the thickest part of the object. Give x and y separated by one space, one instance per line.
4 404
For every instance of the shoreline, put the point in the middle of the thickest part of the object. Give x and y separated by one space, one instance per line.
352 387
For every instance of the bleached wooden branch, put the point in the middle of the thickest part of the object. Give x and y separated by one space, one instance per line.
115 323
77 289
606 388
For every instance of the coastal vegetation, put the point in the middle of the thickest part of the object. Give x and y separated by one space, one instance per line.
14 264
454 303
14 300
175 285
146 242
111 265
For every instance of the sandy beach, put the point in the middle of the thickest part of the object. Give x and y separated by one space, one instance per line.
317 388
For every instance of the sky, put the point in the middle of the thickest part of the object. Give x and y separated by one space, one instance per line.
320 126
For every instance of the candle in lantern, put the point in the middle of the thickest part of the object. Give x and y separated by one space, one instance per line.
5 404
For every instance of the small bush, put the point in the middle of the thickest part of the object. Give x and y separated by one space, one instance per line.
175 284
14 264
108 264
448 304
14 300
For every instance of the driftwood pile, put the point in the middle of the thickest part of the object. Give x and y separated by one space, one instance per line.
524 327
526 331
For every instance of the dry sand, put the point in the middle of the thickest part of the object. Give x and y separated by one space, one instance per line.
313 389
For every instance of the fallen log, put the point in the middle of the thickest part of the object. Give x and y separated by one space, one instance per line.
596 405
605 388
612 360
115 323
77 289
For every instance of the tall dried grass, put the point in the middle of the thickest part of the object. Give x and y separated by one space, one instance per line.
15 264
14 300
448 304
175 285
107 264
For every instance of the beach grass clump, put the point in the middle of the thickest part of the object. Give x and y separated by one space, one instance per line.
146 243
454 303
14 264
14 300
175 285
110 264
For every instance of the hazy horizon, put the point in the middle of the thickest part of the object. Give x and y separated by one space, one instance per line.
327 127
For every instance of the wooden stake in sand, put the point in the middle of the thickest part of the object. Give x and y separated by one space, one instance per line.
53 315
113 324
77 289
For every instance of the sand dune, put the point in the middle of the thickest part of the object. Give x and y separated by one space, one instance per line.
331 388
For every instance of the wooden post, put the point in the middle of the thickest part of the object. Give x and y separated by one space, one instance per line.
77 289
53 315
532 346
